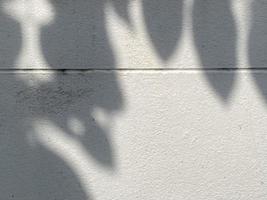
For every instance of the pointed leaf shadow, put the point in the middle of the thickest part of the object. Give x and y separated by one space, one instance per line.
215 38
163 21
257 52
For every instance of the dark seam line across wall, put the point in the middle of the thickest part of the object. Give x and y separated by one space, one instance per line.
128 69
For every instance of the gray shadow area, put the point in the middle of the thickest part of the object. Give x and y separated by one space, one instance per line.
257 52
215 39
10 39
31 171
122 9
258 34
77 38
214 32
163 21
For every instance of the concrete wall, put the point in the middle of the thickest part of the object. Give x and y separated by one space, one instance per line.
133 99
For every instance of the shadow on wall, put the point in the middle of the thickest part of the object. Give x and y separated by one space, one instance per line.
215 38
164 25
29 170
77 39
78 36
214 35
258 44
10 36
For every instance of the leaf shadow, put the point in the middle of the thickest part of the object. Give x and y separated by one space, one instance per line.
215 38
257 44
77 39
163 21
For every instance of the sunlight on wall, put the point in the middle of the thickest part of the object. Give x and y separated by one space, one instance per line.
31 15
166 115
67 148
103 118
130 44
242 18
134 48
77 127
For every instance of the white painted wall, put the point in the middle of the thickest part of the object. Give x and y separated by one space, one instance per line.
133 99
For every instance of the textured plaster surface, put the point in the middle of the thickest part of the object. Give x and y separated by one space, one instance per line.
133 99
133 34
172 138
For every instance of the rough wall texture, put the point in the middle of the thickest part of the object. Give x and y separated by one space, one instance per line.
133 99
